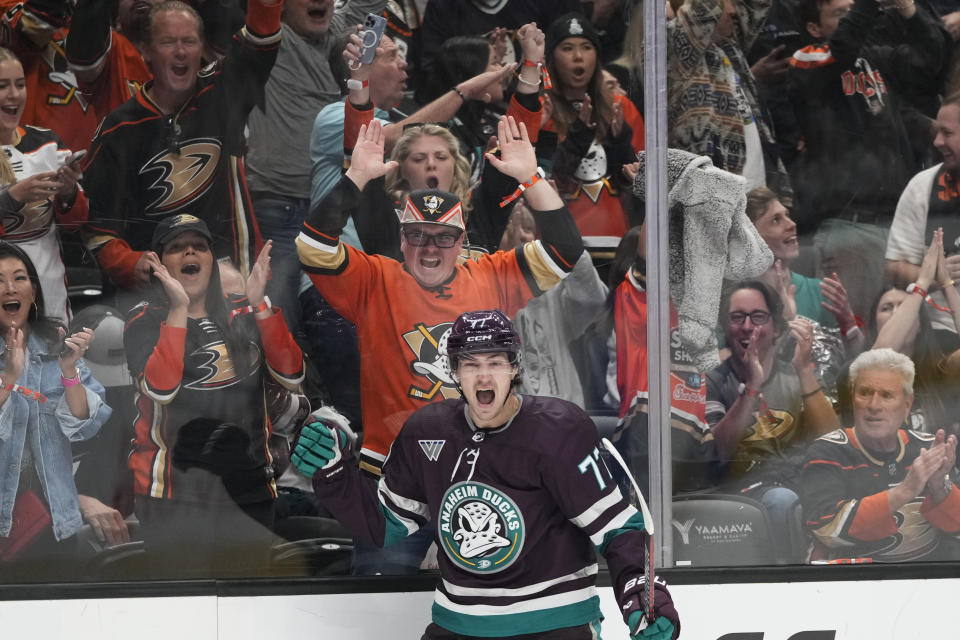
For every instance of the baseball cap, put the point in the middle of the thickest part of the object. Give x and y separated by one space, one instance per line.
172 226
433 206
105 357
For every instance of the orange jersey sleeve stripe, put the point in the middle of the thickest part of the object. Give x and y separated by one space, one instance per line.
263 20
873 520
946 515
529 118
118 260
164 369
282 352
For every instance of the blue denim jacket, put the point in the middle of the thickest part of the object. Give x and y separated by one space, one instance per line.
50 428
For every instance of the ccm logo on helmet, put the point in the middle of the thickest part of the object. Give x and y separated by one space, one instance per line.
478 338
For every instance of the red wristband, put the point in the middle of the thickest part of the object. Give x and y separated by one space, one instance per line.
537 177
263 306
30 393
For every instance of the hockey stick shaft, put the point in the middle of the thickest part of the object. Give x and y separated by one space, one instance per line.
648 568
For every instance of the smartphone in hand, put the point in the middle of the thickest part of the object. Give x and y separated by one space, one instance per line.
75 157
370 37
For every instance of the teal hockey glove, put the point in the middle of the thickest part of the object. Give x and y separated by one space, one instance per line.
320 446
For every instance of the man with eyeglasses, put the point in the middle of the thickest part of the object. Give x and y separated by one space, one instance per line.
404 311
177 146
764 402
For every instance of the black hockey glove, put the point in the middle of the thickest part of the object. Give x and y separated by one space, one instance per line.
320 446
666 623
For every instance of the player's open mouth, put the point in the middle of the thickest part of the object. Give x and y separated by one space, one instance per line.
12 306
190 269
486 396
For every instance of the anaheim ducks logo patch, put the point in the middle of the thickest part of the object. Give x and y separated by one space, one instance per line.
771 425
31 221
429 345
181 177
481 529
432 204
217 365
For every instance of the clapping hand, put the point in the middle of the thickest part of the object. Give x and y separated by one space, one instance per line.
259 275
15 355
802 330
174 288
836 302
74 347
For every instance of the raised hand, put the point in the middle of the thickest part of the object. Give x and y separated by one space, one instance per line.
751 357
586 112
174 288
351 55
787 290
75 346
259 275
802 330
367 163
146 264
498 40
14 352
531 41
928 268
616 124
517 157
479 86
320 446
836 301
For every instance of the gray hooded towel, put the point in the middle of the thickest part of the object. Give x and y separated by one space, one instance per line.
711 238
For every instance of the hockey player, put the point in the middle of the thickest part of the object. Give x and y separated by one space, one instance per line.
519 495
404 310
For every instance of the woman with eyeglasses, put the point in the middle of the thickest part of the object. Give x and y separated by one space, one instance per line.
40 190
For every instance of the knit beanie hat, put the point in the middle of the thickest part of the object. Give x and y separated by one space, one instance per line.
571 25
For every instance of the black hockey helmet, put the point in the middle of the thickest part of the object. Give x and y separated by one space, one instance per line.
482 332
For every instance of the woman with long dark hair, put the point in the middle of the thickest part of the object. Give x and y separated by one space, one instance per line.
48 400
596 132
203 480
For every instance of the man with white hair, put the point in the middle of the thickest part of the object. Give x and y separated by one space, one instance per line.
878 490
